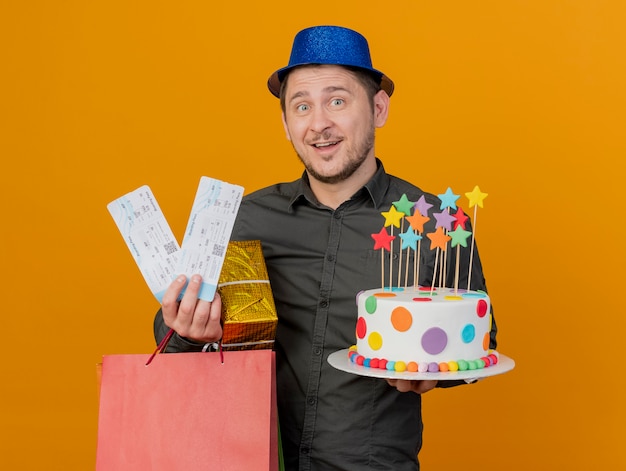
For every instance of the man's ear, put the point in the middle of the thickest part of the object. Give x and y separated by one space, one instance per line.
381 108
285 127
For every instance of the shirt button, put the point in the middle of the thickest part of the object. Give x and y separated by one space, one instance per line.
311 401
305 451
337 215
317 351
324 304
330 257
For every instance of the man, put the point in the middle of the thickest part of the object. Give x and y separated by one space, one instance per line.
316 239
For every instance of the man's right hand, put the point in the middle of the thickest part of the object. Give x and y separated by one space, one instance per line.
191 317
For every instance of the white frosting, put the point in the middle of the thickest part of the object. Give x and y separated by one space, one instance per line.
450 326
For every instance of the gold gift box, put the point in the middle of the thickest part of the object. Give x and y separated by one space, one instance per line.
248 312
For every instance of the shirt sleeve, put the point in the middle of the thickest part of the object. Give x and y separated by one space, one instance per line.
177 344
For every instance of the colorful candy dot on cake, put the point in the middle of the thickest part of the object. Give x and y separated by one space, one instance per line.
481 308
471 365
434 340
493 358
382 364
361 327
453 366
360 359
411 366
425 299
400 366
443 367
366 362
433 367
486 361
468 333
374 363
370 304
375 341
474 294
462 365
391 366
422 367
486 340
401 319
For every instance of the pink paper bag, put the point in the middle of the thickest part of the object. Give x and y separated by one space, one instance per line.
188 411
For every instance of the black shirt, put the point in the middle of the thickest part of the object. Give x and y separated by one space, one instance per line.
318 259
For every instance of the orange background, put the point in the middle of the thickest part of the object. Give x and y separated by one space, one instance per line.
524 98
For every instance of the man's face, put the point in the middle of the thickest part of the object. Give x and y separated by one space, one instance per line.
330 121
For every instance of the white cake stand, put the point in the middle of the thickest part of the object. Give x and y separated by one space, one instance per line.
341 361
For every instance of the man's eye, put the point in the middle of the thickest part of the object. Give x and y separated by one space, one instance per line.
303 108
337 102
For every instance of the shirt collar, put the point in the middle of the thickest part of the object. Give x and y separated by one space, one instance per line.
376 188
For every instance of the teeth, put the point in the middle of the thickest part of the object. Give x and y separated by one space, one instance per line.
325 144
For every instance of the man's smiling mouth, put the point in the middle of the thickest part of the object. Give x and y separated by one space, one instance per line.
325 144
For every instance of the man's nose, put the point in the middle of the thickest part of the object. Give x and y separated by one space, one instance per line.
320 119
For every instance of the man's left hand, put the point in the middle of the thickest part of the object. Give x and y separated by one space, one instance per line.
418 387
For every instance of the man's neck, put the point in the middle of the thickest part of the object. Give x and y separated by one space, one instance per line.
334 194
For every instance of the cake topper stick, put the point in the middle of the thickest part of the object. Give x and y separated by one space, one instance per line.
456 270
443 266
382 241
416 264
406 270
438 240
475 198
444 221
448 200
382 269
417 221
400 256
458 238
392 218
404 206
409 241
391 262
432 285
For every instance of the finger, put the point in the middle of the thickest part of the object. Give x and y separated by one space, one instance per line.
401 385
424 386
189 302
169 302
206 318
205 323
419 387
213 325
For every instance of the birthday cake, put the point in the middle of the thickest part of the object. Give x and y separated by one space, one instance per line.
424 328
